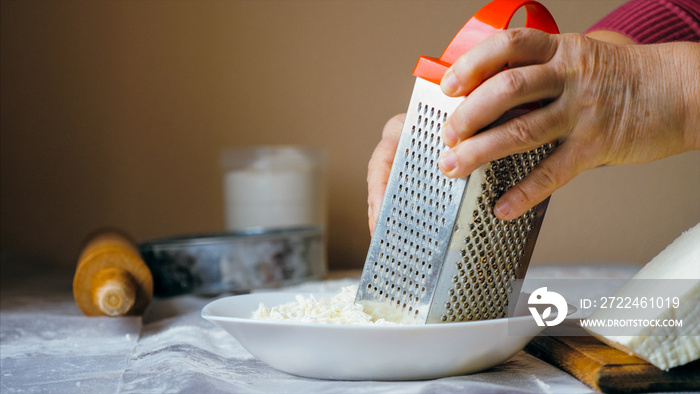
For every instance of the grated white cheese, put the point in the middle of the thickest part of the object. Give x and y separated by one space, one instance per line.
339 309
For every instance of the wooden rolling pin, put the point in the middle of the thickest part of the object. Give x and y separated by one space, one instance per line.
111 279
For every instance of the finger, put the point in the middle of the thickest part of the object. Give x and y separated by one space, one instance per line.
517 135
503 91
509 48
553 172
379 167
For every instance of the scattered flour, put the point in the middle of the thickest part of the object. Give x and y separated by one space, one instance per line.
339 309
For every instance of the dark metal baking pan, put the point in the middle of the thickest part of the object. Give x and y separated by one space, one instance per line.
234 262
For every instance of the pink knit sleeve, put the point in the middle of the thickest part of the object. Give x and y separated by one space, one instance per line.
655 21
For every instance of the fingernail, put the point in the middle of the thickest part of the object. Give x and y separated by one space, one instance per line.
449 137
502 209
449 83
448 161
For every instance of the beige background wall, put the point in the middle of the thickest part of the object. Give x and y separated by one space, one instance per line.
115 113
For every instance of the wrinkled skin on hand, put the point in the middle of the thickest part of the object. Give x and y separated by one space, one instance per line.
608 105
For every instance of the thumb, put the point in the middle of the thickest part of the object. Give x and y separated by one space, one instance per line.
551 173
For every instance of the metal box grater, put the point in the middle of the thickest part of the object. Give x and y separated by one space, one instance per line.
438 253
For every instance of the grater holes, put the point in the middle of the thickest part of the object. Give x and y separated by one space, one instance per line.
492 248
416 219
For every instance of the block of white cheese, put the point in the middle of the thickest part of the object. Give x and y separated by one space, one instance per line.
675 272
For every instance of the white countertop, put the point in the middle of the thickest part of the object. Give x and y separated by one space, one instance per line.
47 345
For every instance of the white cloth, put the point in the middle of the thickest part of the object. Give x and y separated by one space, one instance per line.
47 345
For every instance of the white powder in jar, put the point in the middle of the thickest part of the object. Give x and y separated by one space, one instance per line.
339 309
273 187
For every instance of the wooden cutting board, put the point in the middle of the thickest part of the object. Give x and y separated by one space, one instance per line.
607 369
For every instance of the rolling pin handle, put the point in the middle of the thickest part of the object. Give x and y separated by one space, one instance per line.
113 291
111 278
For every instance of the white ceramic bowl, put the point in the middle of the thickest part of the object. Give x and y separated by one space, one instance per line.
351 352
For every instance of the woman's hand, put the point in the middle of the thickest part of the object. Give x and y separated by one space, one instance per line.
609 104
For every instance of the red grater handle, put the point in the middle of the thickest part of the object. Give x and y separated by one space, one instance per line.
492 18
